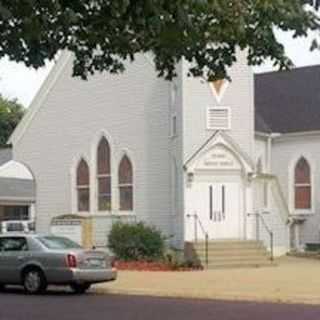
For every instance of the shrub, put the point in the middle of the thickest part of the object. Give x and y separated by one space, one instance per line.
136 242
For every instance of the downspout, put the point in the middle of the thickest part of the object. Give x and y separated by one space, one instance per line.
269 158
270 138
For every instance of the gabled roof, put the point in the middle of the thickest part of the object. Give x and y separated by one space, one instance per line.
220 137
40 97
288 101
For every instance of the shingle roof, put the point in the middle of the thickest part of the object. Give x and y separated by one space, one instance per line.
260 124
288 101
17 189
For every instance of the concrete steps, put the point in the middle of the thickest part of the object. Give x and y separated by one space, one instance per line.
232 254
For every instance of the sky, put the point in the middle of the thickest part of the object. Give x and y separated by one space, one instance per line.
17 81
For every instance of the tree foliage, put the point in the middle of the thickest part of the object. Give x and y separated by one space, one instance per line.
103 33
11 113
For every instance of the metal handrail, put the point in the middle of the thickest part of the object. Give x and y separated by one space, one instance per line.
267 228
197 222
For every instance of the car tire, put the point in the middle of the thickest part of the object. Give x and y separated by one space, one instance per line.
80 288
2 287
34 281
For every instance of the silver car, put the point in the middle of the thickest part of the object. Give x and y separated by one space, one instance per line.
36 261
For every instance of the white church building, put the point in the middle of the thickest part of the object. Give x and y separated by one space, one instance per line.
232 160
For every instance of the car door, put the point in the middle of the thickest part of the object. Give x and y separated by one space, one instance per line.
13 251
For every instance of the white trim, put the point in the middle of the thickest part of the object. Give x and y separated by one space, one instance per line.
291 185
229 115
40 97
285 136
222 140
15 170
261 135
220 137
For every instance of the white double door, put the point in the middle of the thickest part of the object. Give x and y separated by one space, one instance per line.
218 207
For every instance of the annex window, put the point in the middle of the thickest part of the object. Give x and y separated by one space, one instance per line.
219 118
83 186
302 185
104 175
125 184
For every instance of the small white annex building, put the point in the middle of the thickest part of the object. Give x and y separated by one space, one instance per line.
17 189
187 156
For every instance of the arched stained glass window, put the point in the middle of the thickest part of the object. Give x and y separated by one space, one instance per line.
302 184
83 186
125 184
104 175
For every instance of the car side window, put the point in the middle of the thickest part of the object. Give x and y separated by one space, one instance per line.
13 244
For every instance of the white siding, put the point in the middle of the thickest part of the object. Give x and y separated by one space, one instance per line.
132 109
272 213
272 217
197 97
284 153
177 195
261 150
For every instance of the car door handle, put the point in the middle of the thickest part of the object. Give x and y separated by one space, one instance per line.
20 258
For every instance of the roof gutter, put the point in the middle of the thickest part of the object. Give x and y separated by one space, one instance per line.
267 135
297 134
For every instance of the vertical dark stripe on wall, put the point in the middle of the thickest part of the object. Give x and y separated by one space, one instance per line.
223 191
210 202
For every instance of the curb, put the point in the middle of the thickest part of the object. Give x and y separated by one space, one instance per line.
310 300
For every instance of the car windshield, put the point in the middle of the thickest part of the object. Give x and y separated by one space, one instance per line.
52 242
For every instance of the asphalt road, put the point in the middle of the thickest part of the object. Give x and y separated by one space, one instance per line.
14 305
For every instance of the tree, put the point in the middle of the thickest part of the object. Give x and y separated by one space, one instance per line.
11 113
103 33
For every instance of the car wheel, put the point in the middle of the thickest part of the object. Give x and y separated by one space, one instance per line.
80 288
34 281
2 287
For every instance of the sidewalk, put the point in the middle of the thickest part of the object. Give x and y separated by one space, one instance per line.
294 280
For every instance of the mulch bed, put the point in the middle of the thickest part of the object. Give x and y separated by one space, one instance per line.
151 266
